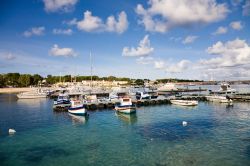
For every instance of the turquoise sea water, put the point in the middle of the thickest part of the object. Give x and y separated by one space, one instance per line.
216 134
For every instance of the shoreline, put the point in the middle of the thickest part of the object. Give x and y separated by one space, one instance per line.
15 90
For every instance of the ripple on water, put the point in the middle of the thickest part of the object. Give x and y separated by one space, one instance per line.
171 131
36 154
92 146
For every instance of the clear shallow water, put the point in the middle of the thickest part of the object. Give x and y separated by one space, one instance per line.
216 134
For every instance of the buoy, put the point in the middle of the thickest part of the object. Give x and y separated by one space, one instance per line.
12 131
184 123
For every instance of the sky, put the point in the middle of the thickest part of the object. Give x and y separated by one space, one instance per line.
153 39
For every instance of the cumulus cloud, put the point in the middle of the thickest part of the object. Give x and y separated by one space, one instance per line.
230 54
246 8
35 31
178 67
62 31
236 25
145 60
91 23
144 48
66 52
59 5
163 15
220 30
189 39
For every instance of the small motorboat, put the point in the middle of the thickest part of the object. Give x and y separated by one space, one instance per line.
184 102
36 93
220 99
62 101
125 106
77 108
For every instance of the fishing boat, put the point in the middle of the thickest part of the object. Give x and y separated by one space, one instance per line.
220 99
125 106
77 108
184 102
62 101
37 93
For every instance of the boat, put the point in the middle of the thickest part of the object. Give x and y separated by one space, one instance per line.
220 99
125 106
184 102
77 108
168 87
62 101
142 95
37 93
225 89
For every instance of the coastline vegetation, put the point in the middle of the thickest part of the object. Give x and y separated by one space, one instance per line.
25 80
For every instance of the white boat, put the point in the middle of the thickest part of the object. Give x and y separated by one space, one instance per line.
142 95
220 99
184 102
38 93
125 106
77 108
168 87
225 89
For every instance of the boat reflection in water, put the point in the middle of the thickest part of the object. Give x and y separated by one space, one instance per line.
32 103
78 119
128 118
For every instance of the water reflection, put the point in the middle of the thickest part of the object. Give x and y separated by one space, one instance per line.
78 119
128 118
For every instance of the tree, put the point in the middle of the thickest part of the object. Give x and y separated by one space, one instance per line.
36 79
139 82
24 80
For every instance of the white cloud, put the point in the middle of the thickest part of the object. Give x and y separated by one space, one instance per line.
230 54
189 39
66 52
178 67
59 5
159 64
62 31
145 60
144 48
220 30
236 25
91 23
163 15
7 56
35 31
246 8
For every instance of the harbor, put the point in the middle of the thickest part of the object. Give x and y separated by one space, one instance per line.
158 133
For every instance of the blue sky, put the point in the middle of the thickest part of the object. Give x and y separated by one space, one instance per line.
199 39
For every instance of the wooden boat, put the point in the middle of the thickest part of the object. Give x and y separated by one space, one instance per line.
77 108
184 102
125 106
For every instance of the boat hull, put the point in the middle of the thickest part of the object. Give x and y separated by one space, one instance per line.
126 110
184 102
78 111
219 99
31 96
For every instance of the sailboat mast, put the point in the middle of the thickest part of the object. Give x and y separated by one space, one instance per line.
91 69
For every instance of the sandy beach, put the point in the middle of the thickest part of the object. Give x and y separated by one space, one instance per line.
15 90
